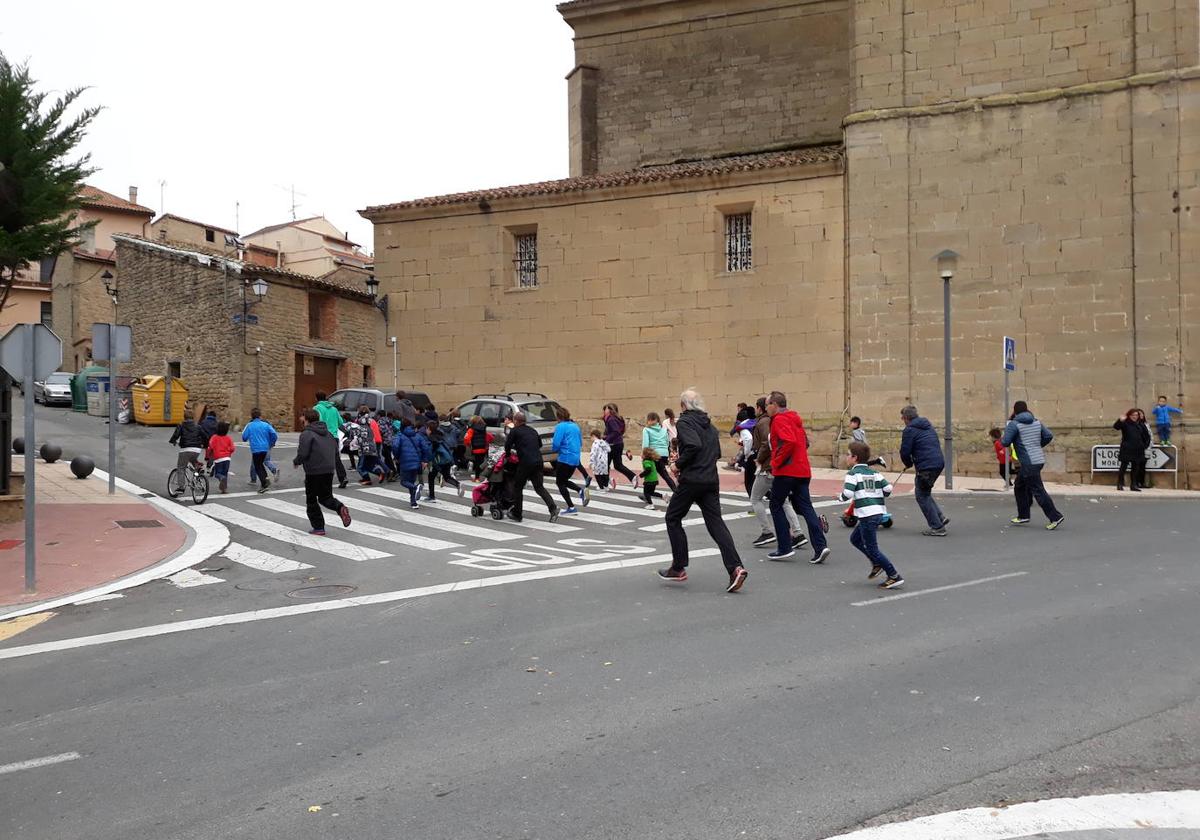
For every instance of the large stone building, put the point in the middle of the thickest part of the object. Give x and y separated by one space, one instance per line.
758 187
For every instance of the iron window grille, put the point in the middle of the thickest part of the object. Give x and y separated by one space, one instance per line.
526 261
738 243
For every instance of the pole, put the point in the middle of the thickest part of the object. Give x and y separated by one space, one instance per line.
949 411
30 497
257 376
1007 465
112 409
395 359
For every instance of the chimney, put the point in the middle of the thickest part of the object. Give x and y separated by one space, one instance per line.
278 254
133 195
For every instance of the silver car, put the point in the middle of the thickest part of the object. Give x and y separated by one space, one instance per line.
498 409
55 390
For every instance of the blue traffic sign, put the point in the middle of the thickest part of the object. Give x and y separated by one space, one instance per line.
1010 353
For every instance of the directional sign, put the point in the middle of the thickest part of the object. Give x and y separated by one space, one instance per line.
252 320
1010 353
47 351
1158 458
122 338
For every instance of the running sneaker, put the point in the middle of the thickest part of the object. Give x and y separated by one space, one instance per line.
1017 520
876 571
317 532
799 541
431 501
275 472
1053 525
892 583
554 515
415 506
263 489
585 497
649 506
736 579
945 521
571 511
821 556
763 540
587 481
344 513
342 484
937 532
673 574
365 482
780 554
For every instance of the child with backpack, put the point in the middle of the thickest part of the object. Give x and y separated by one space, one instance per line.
476 441
348 431
598 458
442 460
412 452
868 489
994 433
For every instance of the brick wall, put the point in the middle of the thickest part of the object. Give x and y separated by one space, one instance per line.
704 78
633 303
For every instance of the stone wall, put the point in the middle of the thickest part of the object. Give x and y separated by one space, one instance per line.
703 78
633 302
79 300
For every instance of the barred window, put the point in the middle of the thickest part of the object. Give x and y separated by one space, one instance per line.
738 242
526 261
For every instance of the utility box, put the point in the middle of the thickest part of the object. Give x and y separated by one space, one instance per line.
150 398
79 386
97 394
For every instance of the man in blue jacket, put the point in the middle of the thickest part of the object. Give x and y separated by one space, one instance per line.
413 453
261 436
921 449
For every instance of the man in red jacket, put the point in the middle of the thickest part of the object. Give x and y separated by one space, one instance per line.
792 474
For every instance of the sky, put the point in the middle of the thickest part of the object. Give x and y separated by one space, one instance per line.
234 104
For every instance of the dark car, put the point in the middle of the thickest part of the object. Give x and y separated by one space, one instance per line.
349 399
497 409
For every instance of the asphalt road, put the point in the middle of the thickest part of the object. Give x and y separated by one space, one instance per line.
567 692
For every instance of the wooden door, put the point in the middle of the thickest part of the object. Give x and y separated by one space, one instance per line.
313 374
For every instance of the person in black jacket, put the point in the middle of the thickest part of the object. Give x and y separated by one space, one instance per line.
1135 440
696 467
528 445
318 454
192 442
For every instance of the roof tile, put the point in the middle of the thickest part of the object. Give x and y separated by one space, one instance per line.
96 197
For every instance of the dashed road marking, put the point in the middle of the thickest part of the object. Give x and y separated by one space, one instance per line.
190 577
261 560
45 761
366 529
919 592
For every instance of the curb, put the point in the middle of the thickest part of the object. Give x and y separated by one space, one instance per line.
1048 817
206 537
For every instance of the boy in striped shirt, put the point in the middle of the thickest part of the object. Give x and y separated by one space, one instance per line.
867 489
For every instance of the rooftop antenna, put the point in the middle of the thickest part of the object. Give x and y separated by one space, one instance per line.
237 216
292 190
161 191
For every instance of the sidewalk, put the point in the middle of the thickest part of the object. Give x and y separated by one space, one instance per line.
85 538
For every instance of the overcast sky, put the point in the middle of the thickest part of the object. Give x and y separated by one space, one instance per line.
354 103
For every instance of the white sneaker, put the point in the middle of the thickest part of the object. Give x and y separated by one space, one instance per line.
650 506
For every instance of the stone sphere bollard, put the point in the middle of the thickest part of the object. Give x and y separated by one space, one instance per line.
50 452
18 445
82 466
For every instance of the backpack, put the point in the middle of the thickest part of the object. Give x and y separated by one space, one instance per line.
442 456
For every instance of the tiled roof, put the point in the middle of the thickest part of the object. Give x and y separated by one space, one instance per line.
346 287
96 197
270 228
102 255
194 222
644 175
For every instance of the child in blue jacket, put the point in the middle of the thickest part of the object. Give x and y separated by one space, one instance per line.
1162 420
261 436
413 453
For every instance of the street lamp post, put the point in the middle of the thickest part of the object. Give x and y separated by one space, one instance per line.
258 287
381 303
947 261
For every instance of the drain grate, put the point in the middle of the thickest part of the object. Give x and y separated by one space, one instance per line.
326 591
139 523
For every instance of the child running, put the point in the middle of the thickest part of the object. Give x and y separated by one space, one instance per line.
476 441
220 455
598 458
649 475
868 489
994 433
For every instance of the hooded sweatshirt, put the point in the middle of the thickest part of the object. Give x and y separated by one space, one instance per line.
699 448
656 438
317 450
919 446
411 449
329 415
789 446
1029 436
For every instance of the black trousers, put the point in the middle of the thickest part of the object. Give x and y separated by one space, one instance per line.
1137 473
318 493
708 497
664 471
749 468
1029 488
615 463
562 477
444 472
258 467
339 467
531 474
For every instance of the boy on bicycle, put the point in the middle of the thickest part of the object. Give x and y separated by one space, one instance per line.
192 442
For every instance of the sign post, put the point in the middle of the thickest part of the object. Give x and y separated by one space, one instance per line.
115 343
32 352
1010 364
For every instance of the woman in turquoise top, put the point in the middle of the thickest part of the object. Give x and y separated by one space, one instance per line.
655 437
568 445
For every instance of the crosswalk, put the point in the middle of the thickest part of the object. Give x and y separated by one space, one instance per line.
385 527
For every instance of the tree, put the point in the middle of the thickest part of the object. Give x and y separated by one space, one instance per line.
39 186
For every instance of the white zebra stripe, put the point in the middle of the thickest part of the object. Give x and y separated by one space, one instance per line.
261 560
291 536
367 529
406 514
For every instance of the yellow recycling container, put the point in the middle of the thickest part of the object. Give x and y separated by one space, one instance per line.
150 398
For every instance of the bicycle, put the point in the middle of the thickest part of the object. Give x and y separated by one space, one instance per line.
196 479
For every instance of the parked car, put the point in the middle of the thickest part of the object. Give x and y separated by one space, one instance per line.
55 390
349 399
497 409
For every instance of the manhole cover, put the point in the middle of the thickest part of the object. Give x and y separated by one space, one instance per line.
139 523
327 591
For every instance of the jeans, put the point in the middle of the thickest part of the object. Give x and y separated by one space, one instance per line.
664 471
531 473
410 480
758 492
865 537
924 492
220 472
258 467
318 493
562 478
786 488
389 461
708 497
1164 432
1029 487
368 464
614 461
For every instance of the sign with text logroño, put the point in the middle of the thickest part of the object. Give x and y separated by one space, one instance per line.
1107 458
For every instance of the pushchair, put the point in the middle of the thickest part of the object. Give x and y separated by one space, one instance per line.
493 490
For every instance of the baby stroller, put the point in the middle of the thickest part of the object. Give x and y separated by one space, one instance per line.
493 490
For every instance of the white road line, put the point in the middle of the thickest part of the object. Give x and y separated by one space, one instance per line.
407 514
582 516
190 577
291 536
456 506
628 510
367 529
904 595
728 497
38 762
741 514
341 604
1049 817
274 491
261 560
112 596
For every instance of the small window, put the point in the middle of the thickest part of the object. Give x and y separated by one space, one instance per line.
210 235
368 376
48 314
174 370
467 410
494 413
320 316
738 243
526 260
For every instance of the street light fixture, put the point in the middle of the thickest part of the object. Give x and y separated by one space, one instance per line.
258 287
947 262
381 303
110 287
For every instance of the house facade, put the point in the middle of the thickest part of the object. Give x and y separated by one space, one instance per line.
310 246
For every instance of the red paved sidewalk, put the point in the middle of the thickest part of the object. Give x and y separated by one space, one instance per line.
79 543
